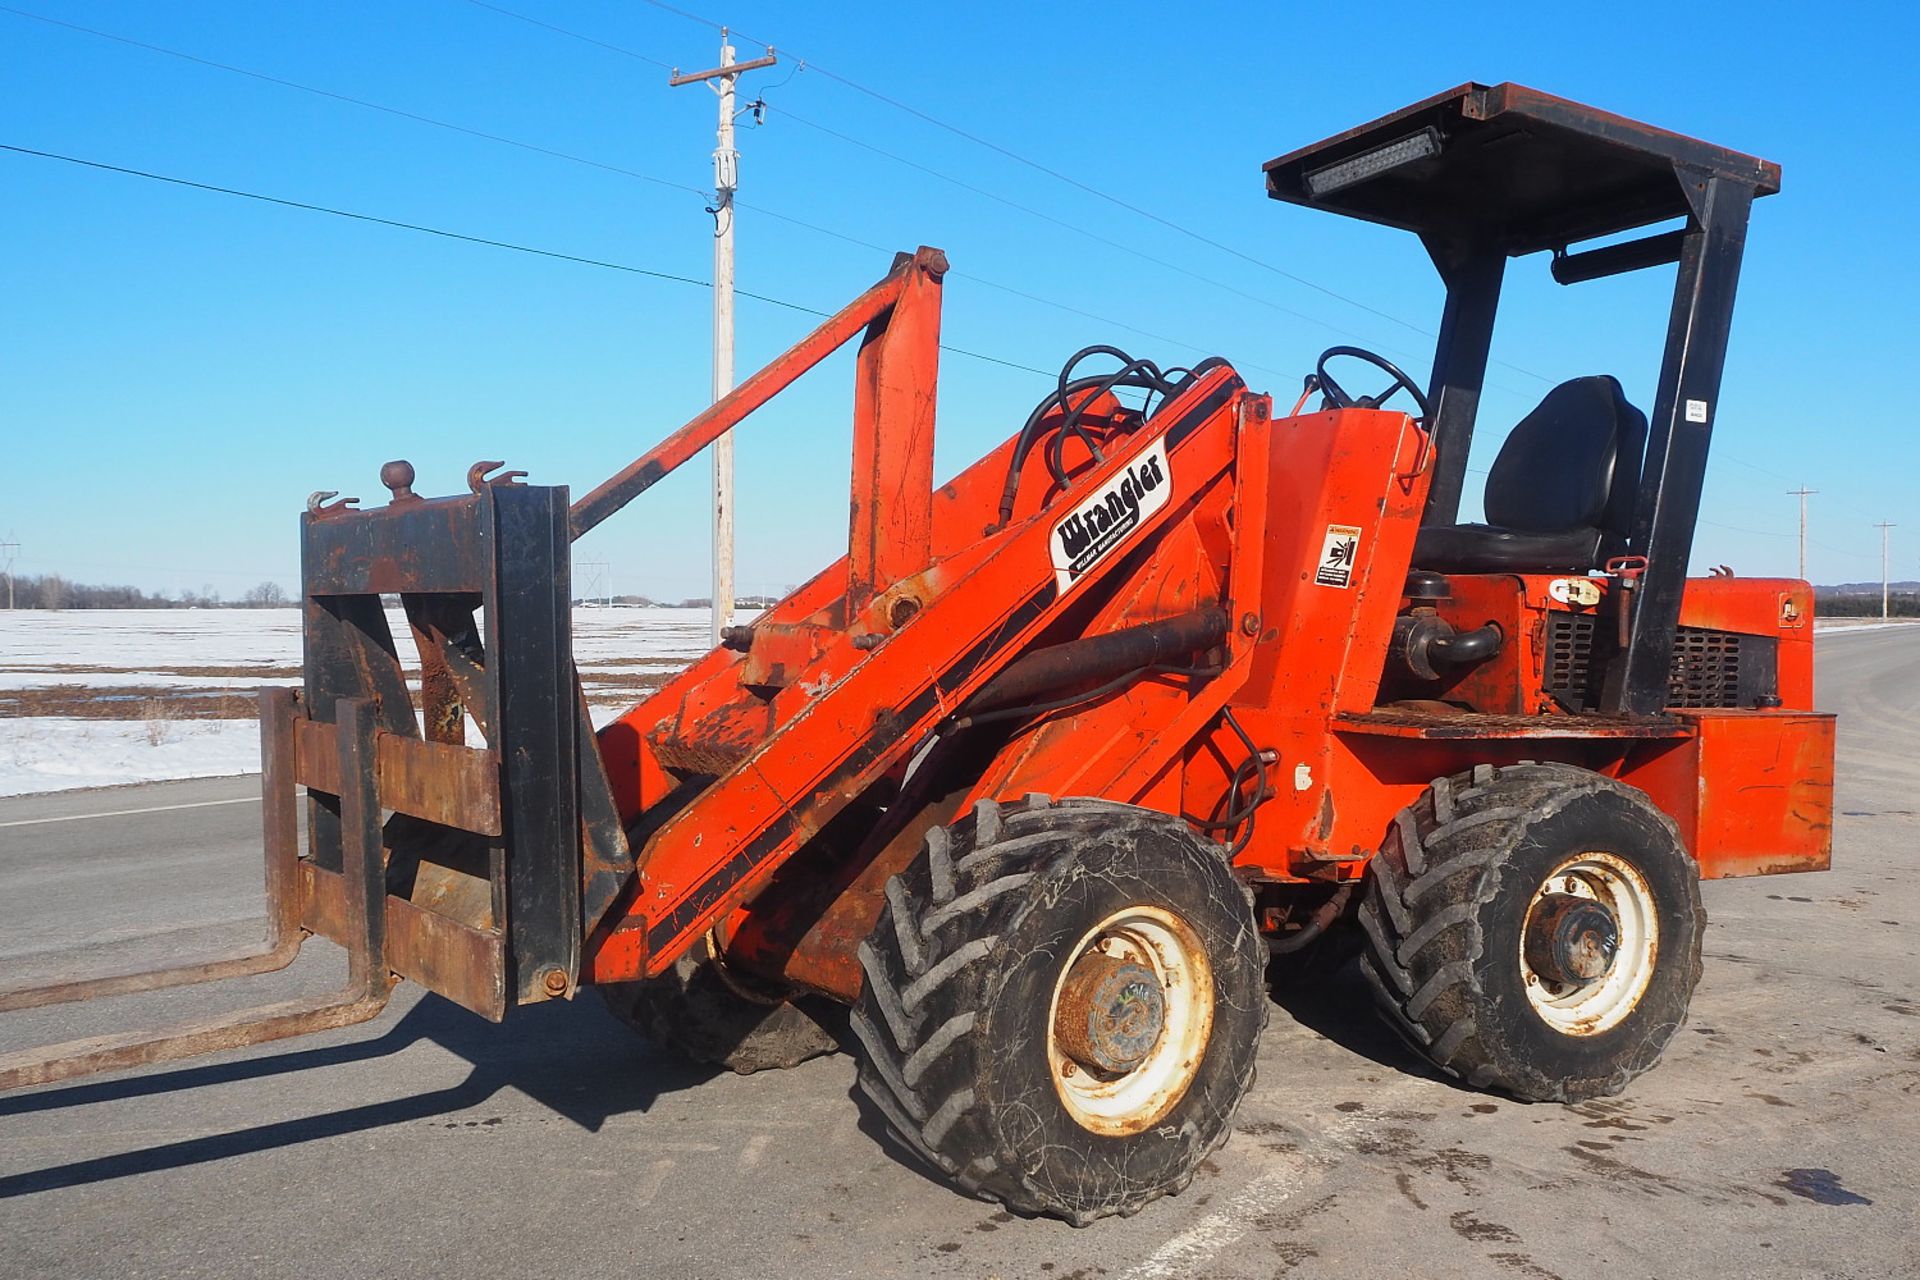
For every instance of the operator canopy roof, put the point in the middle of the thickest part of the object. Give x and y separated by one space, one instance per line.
1510 166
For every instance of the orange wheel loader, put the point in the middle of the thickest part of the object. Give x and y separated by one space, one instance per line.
1046 773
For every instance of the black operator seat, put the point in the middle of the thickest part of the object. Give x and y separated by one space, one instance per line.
1561 493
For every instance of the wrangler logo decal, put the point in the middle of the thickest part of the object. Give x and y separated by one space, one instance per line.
1095 527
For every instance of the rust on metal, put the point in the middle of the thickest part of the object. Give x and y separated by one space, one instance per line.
398 477
444 955
479 475
1395 723
283 905
1571 940
319 502
452 785
362 931
1110 1013
778 652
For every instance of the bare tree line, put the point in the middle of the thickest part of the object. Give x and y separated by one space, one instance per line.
51 591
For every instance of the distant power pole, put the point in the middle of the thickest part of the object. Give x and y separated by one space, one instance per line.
9 549
1883 526
726 180
1802 492
595 579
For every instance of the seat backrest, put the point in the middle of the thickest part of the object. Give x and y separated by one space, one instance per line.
1573 463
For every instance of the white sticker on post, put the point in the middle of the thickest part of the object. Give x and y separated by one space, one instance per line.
1338 551
1696 411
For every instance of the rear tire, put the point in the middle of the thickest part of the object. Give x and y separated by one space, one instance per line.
1108 912
694 1010
1459 914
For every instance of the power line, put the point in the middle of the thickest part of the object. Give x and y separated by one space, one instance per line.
10 550
787 113
802 64
574 35
957 131
1734 528
1086 187
445 234
1883 526
589 162
1803 493
1781 475
350 100
554 153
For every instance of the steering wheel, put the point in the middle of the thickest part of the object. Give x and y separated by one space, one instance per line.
1337 396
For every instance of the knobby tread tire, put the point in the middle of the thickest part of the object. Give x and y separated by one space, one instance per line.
938 970
1454 864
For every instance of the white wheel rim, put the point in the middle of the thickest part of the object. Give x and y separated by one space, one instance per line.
1591 1008
1134 1100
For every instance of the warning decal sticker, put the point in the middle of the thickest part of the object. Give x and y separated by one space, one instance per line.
1337 555
1094 528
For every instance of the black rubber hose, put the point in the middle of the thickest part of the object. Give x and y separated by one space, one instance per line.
1070 423
1464 647
1024 444
1139 374
1317 923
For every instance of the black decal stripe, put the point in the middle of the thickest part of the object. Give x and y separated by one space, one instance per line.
1190 421
878 743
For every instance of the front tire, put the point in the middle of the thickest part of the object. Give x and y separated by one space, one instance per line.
1062 1005
1534 928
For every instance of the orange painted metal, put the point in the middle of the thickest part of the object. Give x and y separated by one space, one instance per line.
891 512
1751 791
643 472
1342 512
1299 529
1781 607
857 713
773 765
771 788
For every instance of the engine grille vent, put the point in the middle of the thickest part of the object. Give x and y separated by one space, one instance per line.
1706 669
1570 664
1710 668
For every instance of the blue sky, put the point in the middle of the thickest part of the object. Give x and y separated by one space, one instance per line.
178 369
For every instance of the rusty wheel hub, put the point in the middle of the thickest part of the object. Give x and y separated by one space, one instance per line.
1589 943
1128 1024
1111 1013
1571 940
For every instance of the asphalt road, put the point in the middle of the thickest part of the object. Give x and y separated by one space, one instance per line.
431 1143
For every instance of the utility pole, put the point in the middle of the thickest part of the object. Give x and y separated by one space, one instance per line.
1883 526
1802 492
9 549
726 180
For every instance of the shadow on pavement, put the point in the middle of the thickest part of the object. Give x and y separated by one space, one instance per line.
1324 991
540 1051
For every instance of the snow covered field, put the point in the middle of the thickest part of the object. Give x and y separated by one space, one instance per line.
93 698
